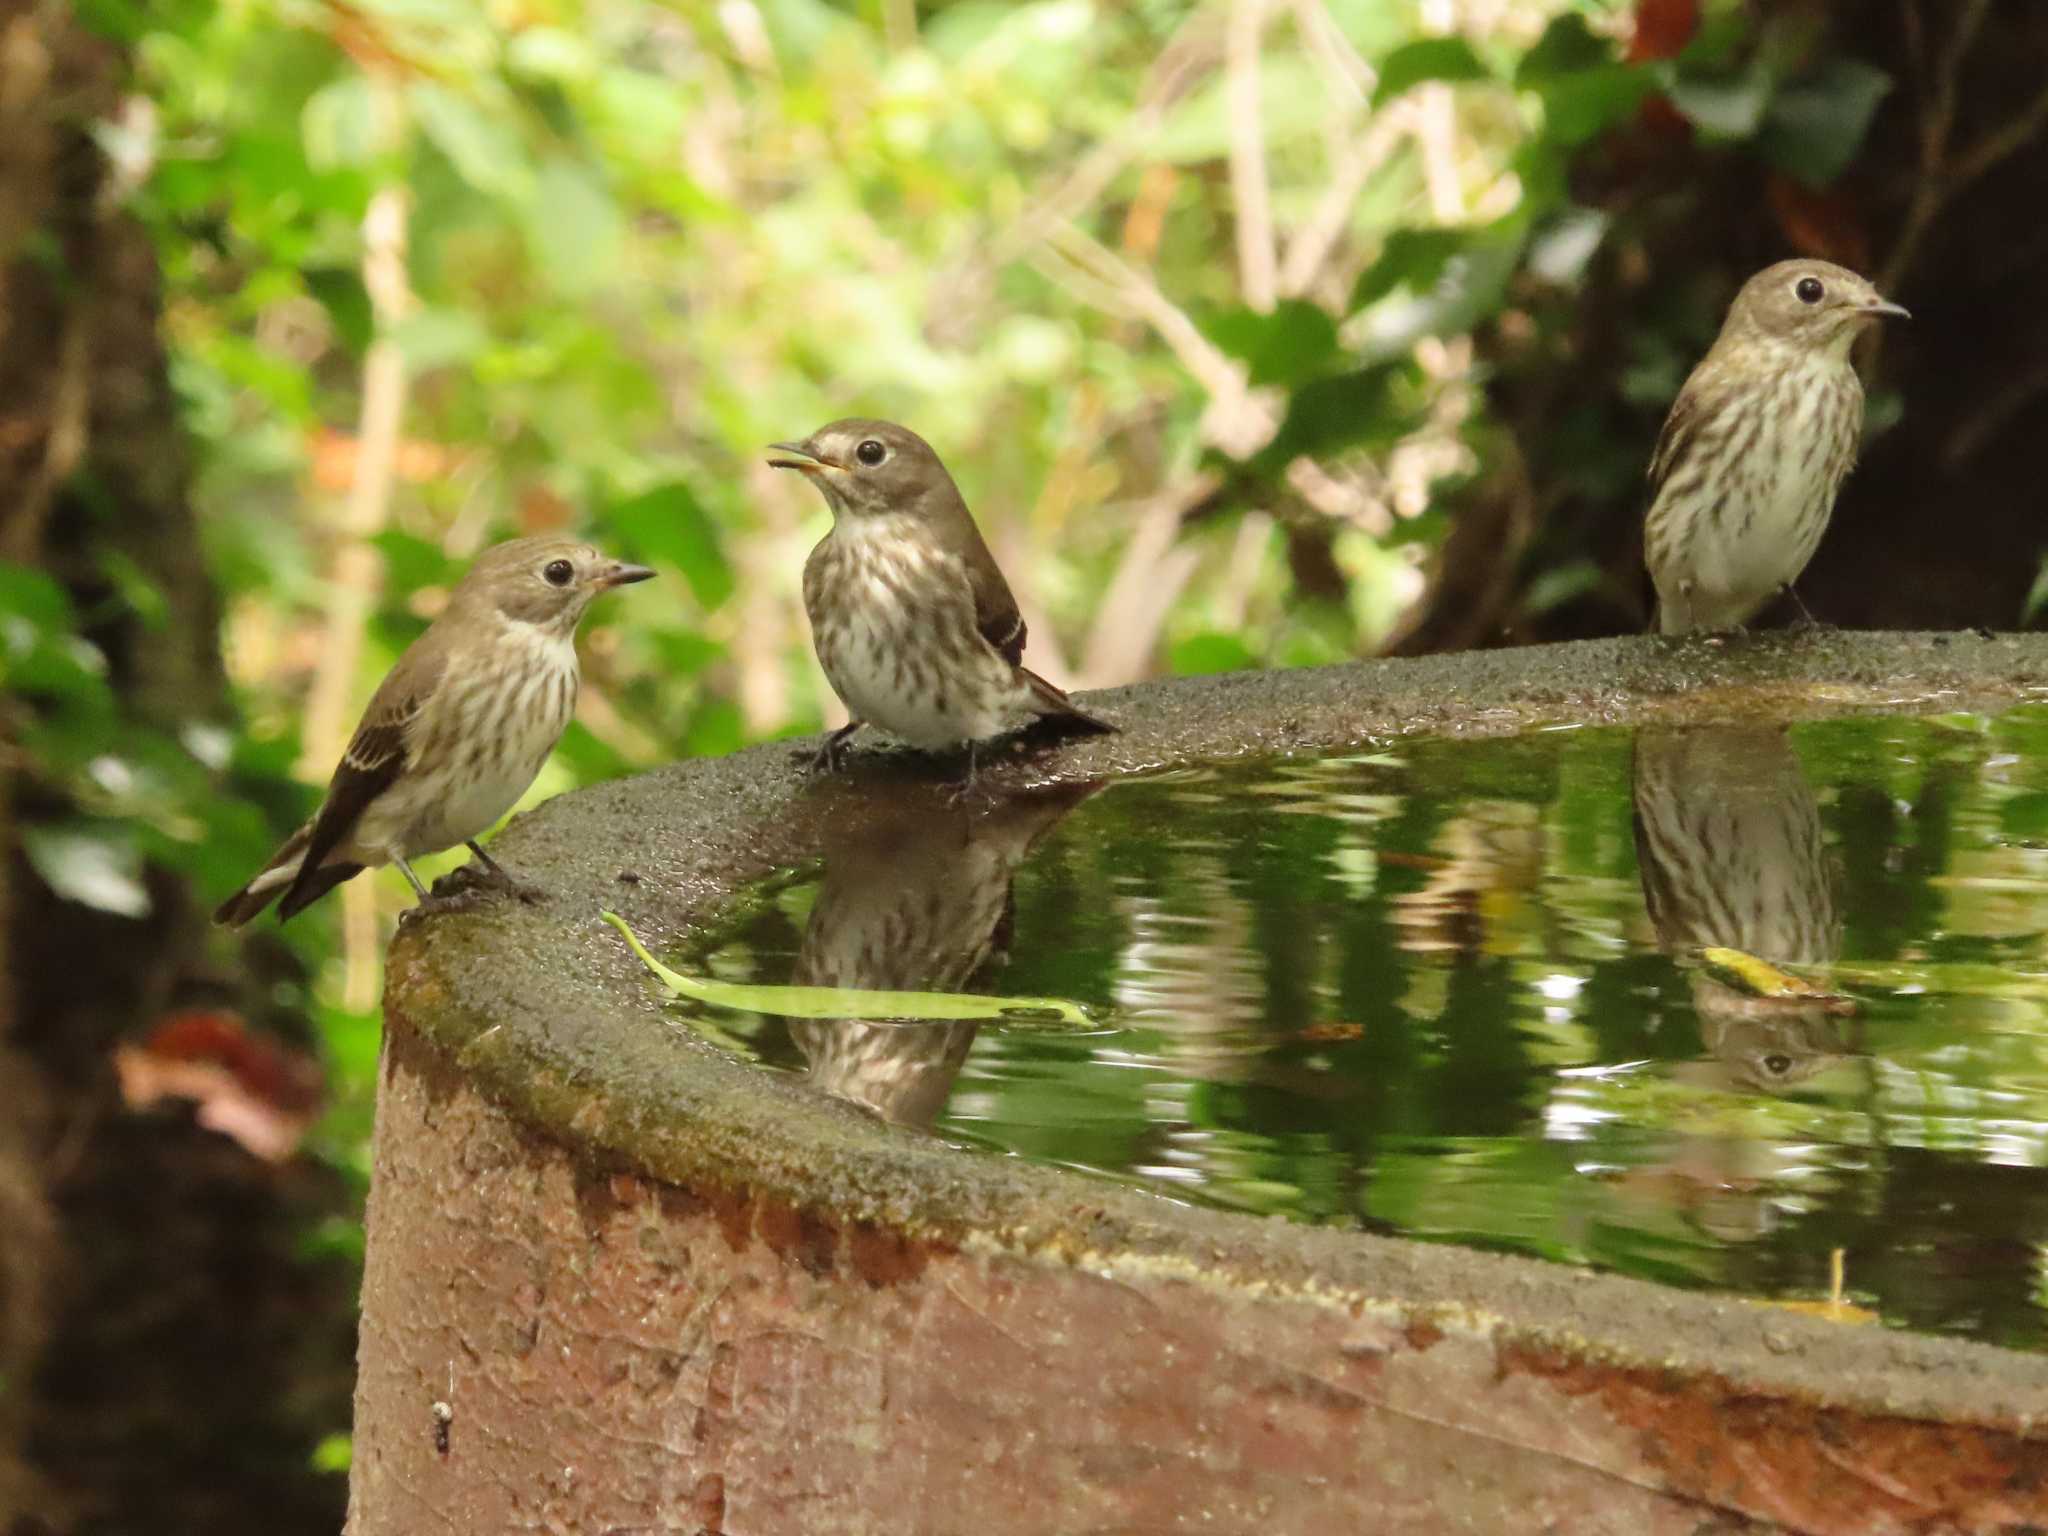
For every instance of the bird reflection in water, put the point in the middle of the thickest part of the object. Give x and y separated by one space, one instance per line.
915 896
1728 840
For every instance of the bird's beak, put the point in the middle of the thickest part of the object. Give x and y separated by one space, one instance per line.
619 574
1883 308
797 456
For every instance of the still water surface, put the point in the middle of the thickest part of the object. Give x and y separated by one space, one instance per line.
1452 990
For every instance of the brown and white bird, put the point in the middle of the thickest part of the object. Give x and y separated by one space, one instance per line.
457 731
1731 854
913 623
916 897
1757 444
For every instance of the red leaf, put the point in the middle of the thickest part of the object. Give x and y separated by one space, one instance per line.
1663 28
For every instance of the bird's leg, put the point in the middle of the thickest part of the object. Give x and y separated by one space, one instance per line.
965 787
503 878
1806 619
832 756
412 879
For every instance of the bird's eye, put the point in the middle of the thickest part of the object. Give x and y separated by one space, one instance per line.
1809 290
871 452
558 572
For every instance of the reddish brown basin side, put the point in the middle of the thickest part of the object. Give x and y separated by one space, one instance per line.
620 1283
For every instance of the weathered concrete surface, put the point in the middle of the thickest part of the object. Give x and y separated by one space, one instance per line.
660 1291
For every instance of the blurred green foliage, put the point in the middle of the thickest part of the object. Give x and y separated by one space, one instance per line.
642 241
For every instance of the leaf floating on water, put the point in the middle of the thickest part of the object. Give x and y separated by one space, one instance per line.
1837 1308
1760 978
1046 1014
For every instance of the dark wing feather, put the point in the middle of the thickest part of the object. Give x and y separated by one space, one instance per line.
1675 442
1698 406
374 759
995 609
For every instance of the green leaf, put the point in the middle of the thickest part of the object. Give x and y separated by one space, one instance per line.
341 293
1560 251
2024 818
1212 652
575 228
1336 412
1433 58
338 124
668 525
1816 123
858 1002
1297 341
1722 106
1567 47
1468 288
92 863
1579 107
1409 258
439 338
1559 585
2037 597
482 146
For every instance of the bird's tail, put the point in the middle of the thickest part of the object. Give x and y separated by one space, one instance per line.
277 877
1055 708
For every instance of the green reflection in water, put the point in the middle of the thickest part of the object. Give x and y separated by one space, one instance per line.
1447 990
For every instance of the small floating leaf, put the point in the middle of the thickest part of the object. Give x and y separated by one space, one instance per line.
1760 978
857 1002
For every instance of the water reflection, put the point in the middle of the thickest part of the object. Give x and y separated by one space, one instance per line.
1451 989
915 896
1730 848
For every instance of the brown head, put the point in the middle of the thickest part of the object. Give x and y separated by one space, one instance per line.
869 468
1814 305
546 581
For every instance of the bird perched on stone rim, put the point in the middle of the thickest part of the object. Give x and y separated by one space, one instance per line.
913 623
1757 444
456 732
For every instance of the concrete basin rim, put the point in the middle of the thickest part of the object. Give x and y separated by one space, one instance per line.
556 1021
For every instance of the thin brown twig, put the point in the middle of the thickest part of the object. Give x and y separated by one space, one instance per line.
357 572
1250 195
1937 121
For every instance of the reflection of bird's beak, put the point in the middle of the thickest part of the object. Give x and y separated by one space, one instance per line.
797 456
619 574
1880 307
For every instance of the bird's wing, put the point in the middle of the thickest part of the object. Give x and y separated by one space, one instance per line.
374 758
1679 429
995 609
1690 413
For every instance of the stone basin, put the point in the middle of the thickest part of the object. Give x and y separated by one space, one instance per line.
619 1281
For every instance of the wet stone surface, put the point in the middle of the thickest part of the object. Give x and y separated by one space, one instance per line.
541 1015
1454 990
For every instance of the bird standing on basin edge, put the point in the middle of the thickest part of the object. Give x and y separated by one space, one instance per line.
1756 446
913 623
456 732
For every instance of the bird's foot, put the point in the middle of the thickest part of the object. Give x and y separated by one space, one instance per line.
830 757
486 873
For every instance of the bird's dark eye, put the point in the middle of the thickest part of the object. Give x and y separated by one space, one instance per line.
871 452
1809 290
558 572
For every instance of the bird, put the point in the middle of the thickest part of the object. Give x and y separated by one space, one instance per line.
457 730
914 626
915 896
1731 855
1745 471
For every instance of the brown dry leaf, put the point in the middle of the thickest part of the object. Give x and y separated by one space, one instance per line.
244 1086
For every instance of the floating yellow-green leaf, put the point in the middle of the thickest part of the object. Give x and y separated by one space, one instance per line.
1760 978
1049 1013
